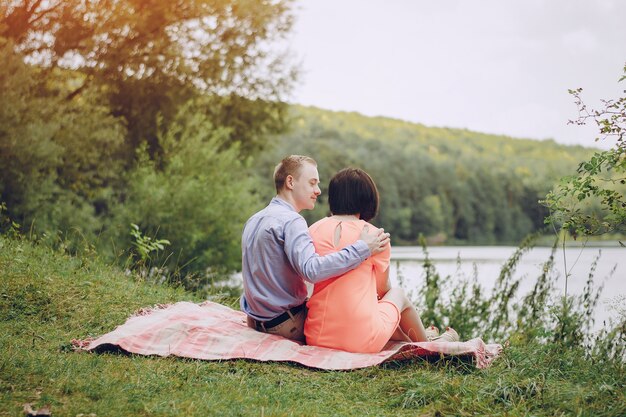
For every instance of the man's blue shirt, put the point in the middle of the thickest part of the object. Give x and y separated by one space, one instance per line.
278 254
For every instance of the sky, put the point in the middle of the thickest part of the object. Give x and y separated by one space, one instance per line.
501 67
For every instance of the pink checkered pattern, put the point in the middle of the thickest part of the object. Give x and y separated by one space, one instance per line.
212 331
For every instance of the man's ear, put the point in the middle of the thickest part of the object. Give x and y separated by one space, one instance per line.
289 182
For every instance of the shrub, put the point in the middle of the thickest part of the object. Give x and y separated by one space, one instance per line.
197 197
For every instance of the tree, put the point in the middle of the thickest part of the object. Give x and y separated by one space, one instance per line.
58 157
601 179
155 55
199 200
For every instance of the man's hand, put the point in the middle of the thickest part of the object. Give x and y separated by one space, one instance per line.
376 241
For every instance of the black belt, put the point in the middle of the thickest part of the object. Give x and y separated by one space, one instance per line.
279 319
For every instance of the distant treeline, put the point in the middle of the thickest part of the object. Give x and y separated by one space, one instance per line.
451 185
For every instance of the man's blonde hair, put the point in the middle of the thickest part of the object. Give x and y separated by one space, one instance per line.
290 165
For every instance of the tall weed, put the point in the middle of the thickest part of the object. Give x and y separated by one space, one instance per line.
563 321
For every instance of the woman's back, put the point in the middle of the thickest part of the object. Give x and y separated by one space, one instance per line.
344 312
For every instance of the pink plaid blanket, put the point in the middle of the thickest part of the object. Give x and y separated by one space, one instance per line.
212 331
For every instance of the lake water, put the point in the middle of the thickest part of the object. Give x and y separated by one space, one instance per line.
488 261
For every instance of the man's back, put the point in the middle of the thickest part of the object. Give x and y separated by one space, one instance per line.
272 284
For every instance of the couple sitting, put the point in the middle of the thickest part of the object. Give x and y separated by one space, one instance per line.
353 307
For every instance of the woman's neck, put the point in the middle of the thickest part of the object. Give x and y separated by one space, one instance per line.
346 217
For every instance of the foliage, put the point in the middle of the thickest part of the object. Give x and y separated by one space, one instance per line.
451 185
8 226
600 179
59 159
90 118
48 298
563 322
60 173
151 56
145 245
198 198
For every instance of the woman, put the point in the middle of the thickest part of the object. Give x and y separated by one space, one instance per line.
358 311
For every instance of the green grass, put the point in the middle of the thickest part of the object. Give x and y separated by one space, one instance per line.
48 298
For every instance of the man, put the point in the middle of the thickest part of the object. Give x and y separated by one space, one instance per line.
278 253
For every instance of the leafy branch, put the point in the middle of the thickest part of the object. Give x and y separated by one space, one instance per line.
601 179
145 245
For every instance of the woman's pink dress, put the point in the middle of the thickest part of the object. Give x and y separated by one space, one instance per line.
344 312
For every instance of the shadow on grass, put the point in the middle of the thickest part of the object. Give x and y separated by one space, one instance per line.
460 364
464 364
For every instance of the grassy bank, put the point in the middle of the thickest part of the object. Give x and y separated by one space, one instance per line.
48 298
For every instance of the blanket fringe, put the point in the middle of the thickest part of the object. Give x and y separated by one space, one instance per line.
146 311
81 344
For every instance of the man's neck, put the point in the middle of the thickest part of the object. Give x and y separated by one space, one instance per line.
287 199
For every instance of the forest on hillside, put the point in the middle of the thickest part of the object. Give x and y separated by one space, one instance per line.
147 132
450 185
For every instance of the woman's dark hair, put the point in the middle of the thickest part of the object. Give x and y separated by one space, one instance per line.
353 191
